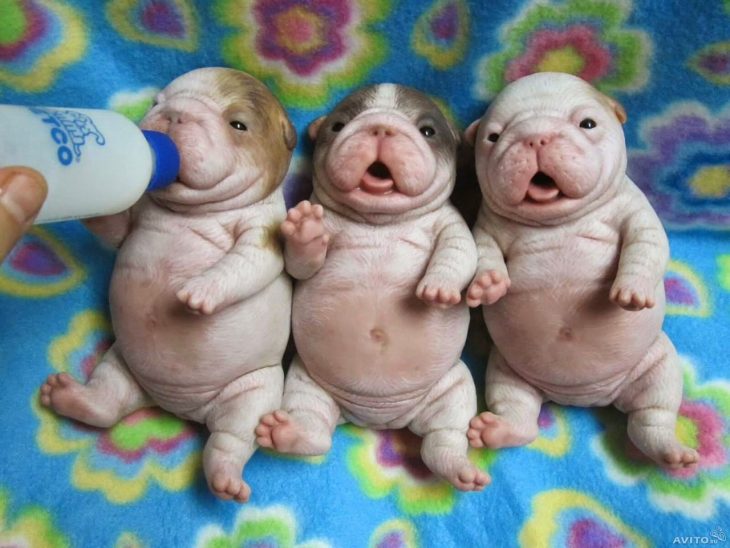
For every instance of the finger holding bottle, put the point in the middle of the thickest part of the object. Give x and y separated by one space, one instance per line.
22 193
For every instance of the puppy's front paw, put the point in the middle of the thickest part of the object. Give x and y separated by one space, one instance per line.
438 292
304 229
633 293
487 288
200 295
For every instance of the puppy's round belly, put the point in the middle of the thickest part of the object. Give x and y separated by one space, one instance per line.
572 341
374 342
181 358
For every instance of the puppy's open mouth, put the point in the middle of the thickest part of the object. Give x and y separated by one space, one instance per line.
542 189
377 179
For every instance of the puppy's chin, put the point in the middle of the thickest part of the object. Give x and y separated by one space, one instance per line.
389 206
366 201
550 206
557 209
231 192
196 181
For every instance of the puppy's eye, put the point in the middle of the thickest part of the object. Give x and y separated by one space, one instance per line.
337 126
493 137
427 131
588 123
240 126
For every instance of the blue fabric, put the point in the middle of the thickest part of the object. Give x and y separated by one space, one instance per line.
580 484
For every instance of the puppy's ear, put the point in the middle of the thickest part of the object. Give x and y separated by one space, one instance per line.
457 135
453 128
616 107
314 127
470 135
619 110
290 134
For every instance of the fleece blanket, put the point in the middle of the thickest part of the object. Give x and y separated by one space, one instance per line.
580 484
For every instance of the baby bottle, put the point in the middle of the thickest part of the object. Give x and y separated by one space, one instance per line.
96 162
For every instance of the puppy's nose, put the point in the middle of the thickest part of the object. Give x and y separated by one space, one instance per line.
175 116
382 131
538 141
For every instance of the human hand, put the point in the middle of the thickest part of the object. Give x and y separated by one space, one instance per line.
22 193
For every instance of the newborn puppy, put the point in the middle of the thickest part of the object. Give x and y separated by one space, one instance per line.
571 263
199 301
381 258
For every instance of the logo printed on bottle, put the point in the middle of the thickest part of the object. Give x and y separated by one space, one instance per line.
69 130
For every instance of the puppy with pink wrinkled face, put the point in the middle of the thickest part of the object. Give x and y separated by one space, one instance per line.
381 258
200 303
571 265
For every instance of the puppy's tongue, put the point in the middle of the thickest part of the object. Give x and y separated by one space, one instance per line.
377 179
542 188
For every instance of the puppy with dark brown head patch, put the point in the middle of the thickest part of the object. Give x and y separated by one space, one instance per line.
199 300
384 154
381 258
234 137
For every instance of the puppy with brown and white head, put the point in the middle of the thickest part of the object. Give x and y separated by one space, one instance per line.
381 258
200 303
571 265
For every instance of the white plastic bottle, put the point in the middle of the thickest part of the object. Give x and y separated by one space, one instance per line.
96 162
